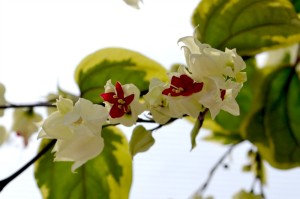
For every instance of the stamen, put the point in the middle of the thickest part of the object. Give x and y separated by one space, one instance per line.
121 101
79 121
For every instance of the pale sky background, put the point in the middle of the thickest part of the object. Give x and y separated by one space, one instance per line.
42 41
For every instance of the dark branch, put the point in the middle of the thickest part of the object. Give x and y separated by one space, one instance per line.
42 104
213 170
5 181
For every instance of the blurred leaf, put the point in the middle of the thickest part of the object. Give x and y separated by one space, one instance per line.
117 64
223 138
246 195
246 168
66 94
256 166
196 196
194 133
141 140
296 4
275 126
250 26
107 176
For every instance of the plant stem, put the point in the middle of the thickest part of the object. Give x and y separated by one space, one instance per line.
5 181
41 104
213 170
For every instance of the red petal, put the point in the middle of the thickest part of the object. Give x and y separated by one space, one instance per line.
116 112
186 80
129 99
109 97
167 91
223 92
176 82
197 87
119 90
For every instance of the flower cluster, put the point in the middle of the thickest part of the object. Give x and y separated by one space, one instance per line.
77 130
210 81
25 123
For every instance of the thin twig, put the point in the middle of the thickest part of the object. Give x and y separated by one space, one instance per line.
41 104
213 170
7 180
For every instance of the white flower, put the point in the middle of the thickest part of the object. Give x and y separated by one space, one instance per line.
78 148
220 95
220 73
133 3
77 130
3 134
183 94
122 102
25 123
2 99
157 102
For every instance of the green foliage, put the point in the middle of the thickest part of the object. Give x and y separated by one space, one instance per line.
296 4
117 64
141 140
224 138
107 176
246 195
274 127
195 131
256 165
250 26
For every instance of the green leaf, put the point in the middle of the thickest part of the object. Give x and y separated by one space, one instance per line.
250 26
141 140
107 176
195 131
117 64
246 195
275 126
296 4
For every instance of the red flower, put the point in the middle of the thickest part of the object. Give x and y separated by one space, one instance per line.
183 86
120 104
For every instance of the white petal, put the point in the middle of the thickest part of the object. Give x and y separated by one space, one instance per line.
55 128
79 149
64 105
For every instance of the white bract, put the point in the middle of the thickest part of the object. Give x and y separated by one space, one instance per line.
133 3
122 102
25 123
3 134
77 130
220 73
157 103
2 99
183 94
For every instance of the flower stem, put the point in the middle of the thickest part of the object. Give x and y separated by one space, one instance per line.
7 180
